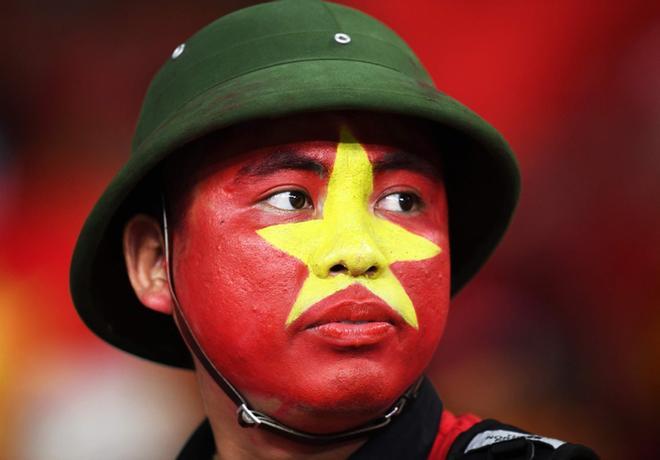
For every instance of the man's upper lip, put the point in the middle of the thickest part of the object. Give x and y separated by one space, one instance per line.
347 310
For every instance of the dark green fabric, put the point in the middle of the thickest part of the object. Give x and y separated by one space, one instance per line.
268 61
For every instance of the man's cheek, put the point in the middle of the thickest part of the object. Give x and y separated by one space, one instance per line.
427 284
245 310
263 276
242 280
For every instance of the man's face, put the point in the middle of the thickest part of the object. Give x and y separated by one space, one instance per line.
313 263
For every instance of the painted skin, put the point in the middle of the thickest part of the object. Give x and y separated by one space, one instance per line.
334 363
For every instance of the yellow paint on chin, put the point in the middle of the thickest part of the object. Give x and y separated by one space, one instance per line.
349 234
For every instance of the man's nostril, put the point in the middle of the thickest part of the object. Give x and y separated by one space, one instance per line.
337 268
372 270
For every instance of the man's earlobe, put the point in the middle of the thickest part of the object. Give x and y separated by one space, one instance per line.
144 253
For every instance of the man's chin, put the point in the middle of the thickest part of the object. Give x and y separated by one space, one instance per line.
338 407
324 420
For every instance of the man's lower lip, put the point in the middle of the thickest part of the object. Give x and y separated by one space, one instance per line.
353 334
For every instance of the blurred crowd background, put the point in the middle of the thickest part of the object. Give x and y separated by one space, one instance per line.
559 334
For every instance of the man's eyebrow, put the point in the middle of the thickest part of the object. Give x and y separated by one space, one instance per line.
407 161
282 160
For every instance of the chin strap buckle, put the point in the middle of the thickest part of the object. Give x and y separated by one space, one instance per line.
246 417
395 410
401 403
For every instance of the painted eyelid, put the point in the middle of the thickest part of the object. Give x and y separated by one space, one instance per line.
271 191
401 188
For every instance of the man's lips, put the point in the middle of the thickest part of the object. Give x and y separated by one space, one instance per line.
353 334
350 323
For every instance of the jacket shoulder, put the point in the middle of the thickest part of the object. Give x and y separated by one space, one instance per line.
468 438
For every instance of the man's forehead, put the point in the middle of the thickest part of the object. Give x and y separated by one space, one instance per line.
306 141
305 157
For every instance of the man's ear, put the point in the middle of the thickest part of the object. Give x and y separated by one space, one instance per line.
144 252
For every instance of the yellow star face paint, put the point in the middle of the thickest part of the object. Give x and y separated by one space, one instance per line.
350 244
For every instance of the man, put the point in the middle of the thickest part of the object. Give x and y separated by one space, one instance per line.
285 225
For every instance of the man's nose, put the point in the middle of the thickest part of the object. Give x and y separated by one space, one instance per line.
354 253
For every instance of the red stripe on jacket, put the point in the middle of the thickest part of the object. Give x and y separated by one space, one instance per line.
450 427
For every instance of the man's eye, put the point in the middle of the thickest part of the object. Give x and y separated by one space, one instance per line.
399 202
290 200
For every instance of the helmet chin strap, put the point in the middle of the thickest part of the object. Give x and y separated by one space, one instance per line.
246 415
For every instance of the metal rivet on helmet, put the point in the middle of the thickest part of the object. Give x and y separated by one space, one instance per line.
342 38
178 51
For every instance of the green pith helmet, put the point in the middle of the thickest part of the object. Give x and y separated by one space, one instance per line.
272 60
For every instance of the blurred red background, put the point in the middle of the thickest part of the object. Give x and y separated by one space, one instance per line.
559 334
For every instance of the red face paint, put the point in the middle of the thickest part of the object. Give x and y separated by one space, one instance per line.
349 356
